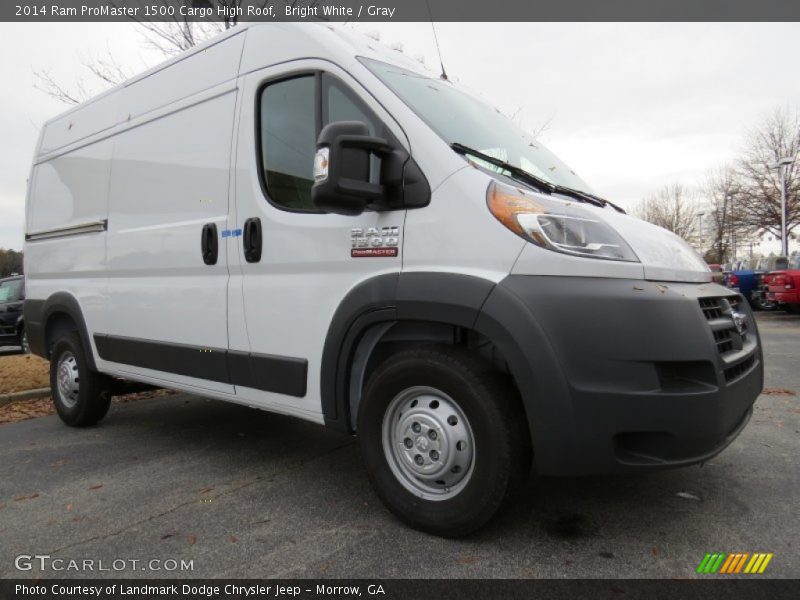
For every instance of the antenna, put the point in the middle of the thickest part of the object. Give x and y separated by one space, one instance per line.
436 39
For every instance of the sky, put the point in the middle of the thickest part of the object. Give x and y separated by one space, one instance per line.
630 107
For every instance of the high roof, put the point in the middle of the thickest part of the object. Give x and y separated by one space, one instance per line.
240 50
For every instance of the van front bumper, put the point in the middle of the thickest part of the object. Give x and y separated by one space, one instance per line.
626 375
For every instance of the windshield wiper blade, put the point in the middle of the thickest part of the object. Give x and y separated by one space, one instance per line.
518 172
540 183
587 197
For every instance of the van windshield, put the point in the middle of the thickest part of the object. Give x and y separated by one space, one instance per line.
461 119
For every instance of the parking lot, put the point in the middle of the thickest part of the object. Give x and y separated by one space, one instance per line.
243 493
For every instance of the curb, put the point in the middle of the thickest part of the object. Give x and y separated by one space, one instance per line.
26 395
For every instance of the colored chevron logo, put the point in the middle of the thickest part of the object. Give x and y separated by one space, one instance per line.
720 563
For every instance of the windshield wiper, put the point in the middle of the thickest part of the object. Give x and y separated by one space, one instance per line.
587 197
530 178
516 171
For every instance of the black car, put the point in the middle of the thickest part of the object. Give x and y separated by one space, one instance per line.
12 326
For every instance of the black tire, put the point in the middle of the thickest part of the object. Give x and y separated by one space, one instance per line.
493 410
792 308
88 398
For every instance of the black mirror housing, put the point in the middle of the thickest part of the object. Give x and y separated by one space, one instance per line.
342 168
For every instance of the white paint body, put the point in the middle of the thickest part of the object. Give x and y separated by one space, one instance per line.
175 148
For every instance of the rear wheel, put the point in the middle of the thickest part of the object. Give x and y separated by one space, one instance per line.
81 395
444 439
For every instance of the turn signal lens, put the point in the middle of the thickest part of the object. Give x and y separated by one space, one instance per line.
321 163
507 204
556 225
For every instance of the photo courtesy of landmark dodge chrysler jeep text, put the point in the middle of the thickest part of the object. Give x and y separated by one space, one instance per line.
294 218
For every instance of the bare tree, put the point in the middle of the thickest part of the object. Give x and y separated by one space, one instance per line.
721 189
674 208
170 37
775 138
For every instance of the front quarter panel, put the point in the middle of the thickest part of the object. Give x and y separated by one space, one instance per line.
456 233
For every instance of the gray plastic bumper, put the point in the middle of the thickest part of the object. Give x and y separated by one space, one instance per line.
624 375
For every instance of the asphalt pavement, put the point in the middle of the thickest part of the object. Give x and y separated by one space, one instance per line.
236 492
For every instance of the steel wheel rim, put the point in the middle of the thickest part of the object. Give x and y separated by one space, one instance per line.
67 380
428 443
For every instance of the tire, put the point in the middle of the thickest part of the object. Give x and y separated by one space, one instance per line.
81 395
792 308
23 341
465 403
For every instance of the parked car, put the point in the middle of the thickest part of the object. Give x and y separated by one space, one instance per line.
783 287
12 323
717 273
765 267
300 220
744 279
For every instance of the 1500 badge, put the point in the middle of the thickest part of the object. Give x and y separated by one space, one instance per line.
374 242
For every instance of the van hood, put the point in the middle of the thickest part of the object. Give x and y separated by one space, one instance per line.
663 255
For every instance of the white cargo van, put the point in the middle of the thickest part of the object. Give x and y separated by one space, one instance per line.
294 218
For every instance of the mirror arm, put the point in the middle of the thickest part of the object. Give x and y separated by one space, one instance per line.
375 145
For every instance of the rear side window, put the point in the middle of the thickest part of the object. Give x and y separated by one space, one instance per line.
291 114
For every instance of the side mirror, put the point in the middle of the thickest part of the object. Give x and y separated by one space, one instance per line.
342 169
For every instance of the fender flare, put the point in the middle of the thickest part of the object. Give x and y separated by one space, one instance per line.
37 313
465 301
437 297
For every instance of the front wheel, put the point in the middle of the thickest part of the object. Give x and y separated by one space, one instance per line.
81 395
444 439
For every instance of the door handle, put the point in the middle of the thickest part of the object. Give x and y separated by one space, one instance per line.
209 244
252 240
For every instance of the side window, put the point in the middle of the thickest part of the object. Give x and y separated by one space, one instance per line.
289 127
288 141
341 104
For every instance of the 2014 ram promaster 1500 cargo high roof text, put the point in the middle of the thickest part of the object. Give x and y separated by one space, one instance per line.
294 218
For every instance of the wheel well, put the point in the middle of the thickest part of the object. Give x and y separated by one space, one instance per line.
57 324
385 339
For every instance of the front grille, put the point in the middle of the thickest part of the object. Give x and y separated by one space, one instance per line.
712 307
718 311
740 368
724 341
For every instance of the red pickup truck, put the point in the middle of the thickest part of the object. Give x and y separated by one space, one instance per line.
783 287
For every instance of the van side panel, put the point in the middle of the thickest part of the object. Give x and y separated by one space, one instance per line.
199 72
72 189
169 179
82 122
193 72
69 191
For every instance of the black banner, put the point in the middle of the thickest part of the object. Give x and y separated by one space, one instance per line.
750 587
399 10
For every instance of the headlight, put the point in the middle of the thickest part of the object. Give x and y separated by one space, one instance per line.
556 225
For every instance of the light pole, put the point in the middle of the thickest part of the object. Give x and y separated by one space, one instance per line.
701 242
780 167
